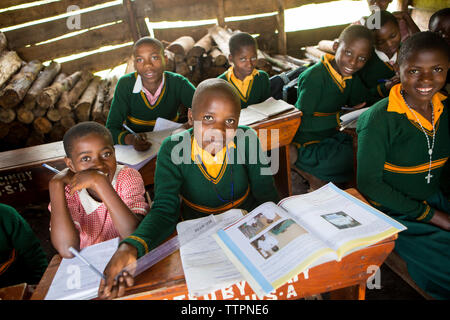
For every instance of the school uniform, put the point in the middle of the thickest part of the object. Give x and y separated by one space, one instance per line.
22 258
131 105
323 151
393 166
190 183
92 218
254 89
376 71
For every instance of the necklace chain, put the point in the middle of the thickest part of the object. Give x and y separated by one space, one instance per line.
430 148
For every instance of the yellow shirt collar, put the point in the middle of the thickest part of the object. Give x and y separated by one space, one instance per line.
212 163
398 104
241 85
338 79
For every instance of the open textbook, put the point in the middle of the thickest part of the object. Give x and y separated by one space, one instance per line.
261 111
350 119
74 280
126 154
273 243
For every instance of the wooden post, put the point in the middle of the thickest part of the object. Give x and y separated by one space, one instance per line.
131 17
281 32
220 13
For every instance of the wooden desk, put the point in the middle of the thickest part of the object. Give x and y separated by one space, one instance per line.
345 279
24 180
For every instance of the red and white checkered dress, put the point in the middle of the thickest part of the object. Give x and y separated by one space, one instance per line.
97 226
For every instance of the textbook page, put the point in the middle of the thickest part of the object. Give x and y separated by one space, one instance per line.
74 280
249 116
271 107
343 222
350 119
269 248
206 267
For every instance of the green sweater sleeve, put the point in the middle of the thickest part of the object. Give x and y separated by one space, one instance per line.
161 221
266 86
373 145
119 110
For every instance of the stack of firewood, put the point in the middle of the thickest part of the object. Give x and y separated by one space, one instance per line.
38 103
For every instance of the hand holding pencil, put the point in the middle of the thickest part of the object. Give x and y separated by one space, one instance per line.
138 140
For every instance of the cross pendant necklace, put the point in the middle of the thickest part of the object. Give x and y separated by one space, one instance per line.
430 147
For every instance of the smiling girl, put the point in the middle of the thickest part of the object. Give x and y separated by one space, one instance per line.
403 146
94 199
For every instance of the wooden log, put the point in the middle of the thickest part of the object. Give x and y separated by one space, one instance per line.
17 135
84 105
4 129
170 65
39 112
25 115
3 42
57 133
296 61
67 121
97 108
314 53
112 88
69 99
43 80
221 37
283 61
182 68
262 63
219 59
7 115
182 45
130 65
53 114
200 47
35 139
42 125
10 62
50 95
215 71
326 46
18 86
280 64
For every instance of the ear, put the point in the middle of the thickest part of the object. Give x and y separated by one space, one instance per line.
396 68
190 117
69 164
230 58
335 45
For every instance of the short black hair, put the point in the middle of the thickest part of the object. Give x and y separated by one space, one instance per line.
355 31
443 13
215 84
239 40
83 129
422 41
148 40
385 17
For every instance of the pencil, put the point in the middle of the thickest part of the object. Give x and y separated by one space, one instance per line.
50 168
131 131
78 255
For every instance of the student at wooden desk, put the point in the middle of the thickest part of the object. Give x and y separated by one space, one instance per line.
403 146
147 94
94 199
209 165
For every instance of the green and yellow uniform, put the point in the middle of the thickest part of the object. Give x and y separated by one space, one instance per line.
375 73
254 89
393 165
236 179
135 110
21 256
323 151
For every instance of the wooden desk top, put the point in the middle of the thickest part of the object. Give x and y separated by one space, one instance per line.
166 280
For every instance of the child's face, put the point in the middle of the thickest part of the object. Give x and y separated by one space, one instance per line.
244 61
423 74
382 4
387 38
442 27
149 63
352 56
215 119
93 151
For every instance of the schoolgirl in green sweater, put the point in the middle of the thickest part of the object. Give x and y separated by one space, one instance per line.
213 167
403 147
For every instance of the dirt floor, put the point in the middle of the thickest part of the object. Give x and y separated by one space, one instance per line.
392 287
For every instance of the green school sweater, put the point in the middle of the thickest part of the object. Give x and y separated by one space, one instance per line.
177 175
393 158
21 256
321 96
258 90
135 110
374 74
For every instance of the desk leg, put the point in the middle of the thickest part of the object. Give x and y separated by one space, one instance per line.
283 176
357 292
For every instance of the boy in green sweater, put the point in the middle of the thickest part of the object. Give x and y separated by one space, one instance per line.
215 167
253 85
150 92
22 258
322 152
403 146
